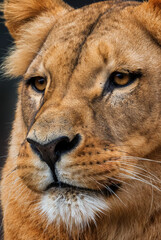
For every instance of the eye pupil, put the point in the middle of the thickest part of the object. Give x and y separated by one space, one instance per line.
41 81
120 75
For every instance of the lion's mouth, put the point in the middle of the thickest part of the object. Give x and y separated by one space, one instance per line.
106 191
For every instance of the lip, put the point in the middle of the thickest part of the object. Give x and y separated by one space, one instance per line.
109 191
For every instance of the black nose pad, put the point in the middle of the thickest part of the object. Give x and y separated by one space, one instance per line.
52 151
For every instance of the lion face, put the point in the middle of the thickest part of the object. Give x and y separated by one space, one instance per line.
89 107
92 116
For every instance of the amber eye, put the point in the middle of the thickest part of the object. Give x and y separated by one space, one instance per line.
121 79
38 83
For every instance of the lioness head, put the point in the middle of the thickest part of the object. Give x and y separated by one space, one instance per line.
87 132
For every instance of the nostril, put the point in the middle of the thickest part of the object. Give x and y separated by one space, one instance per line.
61 146
65 145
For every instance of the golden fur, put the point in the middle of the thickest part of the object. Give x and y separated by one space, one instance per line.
109 179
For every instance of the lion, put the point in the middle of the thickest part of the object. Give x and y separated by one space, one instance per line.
84 159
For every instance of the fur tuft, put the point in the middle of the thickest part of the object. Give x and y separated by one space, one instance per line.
75 214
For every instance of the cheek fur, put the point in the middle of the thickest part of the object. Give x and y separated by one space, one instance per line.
30 104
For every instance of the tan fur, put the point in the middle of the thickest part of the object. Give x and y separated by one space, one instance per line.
77 50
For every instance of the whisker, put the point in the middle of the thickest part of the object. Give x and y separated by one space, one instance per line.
138 173
98 183
134 176
122 189
156 178
143 175
121 181
141 159
111 191
152 198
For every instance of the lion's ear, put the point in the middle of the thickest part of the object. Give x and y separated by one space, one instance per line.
150 16
18 13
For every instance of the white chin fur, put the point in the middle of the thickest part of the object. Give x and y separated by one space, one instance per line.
74 210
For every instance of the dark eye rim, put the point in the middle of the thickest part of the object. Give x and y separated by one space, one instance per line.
30 82
110 85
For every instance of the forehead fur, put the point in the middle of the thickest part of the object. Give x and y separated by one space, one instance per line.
34 33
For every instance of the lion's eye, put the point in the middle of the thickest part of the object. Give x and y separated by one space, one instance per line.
121 79
38 83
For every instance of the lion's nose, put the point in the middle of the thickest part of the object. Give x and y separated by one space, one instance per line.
52 151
